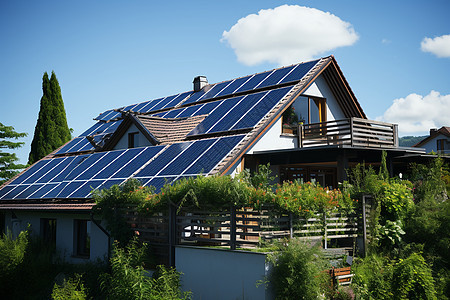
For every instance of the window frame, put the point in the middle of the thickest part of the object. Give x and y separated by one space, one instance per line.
81 238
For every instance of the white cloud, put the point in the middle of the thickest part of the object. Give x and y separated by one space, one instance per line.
287 34
439 46
416 114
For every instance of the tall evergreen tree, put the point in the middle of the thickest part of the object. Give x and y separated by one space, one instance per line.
51 129
8 167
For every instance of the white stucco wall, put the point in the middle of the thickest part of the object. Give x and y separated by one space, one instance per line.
64 233
222 274
123 142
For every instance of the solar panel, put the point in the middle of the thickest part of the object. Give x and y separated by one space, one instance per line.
299 72
240 112
108 115
237 83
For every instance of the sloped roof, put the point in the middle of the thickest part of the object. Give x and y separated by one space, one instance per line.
444 130
192 133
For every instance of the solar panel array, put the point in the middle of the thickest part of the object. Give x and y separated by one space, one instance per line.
282 76
242 103
76 176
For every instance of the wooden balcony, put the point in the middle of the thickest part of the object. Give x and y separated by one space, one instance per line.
354 132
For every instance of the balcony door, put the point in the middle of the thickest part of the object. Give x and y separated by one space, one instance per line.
311 109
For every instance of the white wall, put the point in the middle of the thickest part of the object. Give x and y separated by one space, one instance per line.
64 232
123 142
222 274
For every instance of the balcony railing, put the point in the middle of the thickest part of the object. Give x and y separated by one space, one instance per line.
355 132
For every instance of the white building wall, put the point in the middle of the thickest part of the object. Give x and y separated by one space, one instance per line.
64 232
123 142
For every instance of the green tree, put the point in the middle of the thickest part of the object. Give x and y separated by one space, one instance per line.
51 129
8 167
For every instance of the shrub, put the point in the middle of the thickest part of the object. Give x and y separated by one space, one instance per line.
71 289
297 271
12 253
412 279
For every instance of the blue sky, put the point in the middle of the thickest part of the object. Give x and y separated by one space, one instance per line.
109 54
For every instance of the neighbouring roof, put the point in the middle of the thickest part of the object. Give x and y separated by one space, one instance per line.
444 130
191 133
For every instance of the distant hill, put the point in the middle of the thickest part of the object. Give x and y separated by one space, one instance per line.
409 141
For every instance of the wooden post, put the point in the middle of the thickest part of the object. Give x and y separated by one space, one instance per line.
395 135
325 230
364 225
172 234
233 228
300 136
291 226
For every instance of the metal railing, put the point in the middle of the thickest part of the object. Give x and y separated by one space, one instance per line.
355 132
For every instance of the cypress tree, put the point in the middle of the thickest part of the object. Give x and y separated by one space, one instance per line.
51 129
8 167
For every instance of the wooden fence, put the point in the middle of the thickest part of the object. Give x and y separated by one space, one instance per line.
241 228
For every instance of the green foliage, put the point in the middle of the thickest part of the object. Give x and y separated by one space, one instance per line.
71 289
51 129
290 117
373 276
297 271
412 279
390 234
8 166
113 203
409 141
129 280
12 253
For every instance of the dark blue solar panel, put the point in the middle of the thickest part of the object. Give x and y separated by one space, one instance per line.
90 168
233 86
275 77
207 108
262 108
94 128
215 116
177 99
85 145
299 72
209 159
53 193
163 159
196 95
150 105
29 191
70 145
130 162
69 189
253 82
5 190
15 191
34 168
163 103
66 173
84 166
108 115
186 158
172 113
188 111
43 190
52 169
216 89
237 112
85 190
139 106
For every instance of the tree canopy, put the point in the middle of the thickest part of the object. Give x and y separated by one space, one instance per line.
51 129
8 167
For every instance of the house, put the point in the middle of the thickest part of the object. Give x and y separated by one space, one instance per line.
303 119
438 141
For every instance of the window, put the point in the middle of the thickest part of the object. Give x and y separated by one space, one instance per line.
311 110
82 238
133 139
440 145
2 223
48 232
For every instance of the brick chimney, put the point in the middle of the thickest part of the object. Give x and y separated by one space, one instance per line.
433 131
